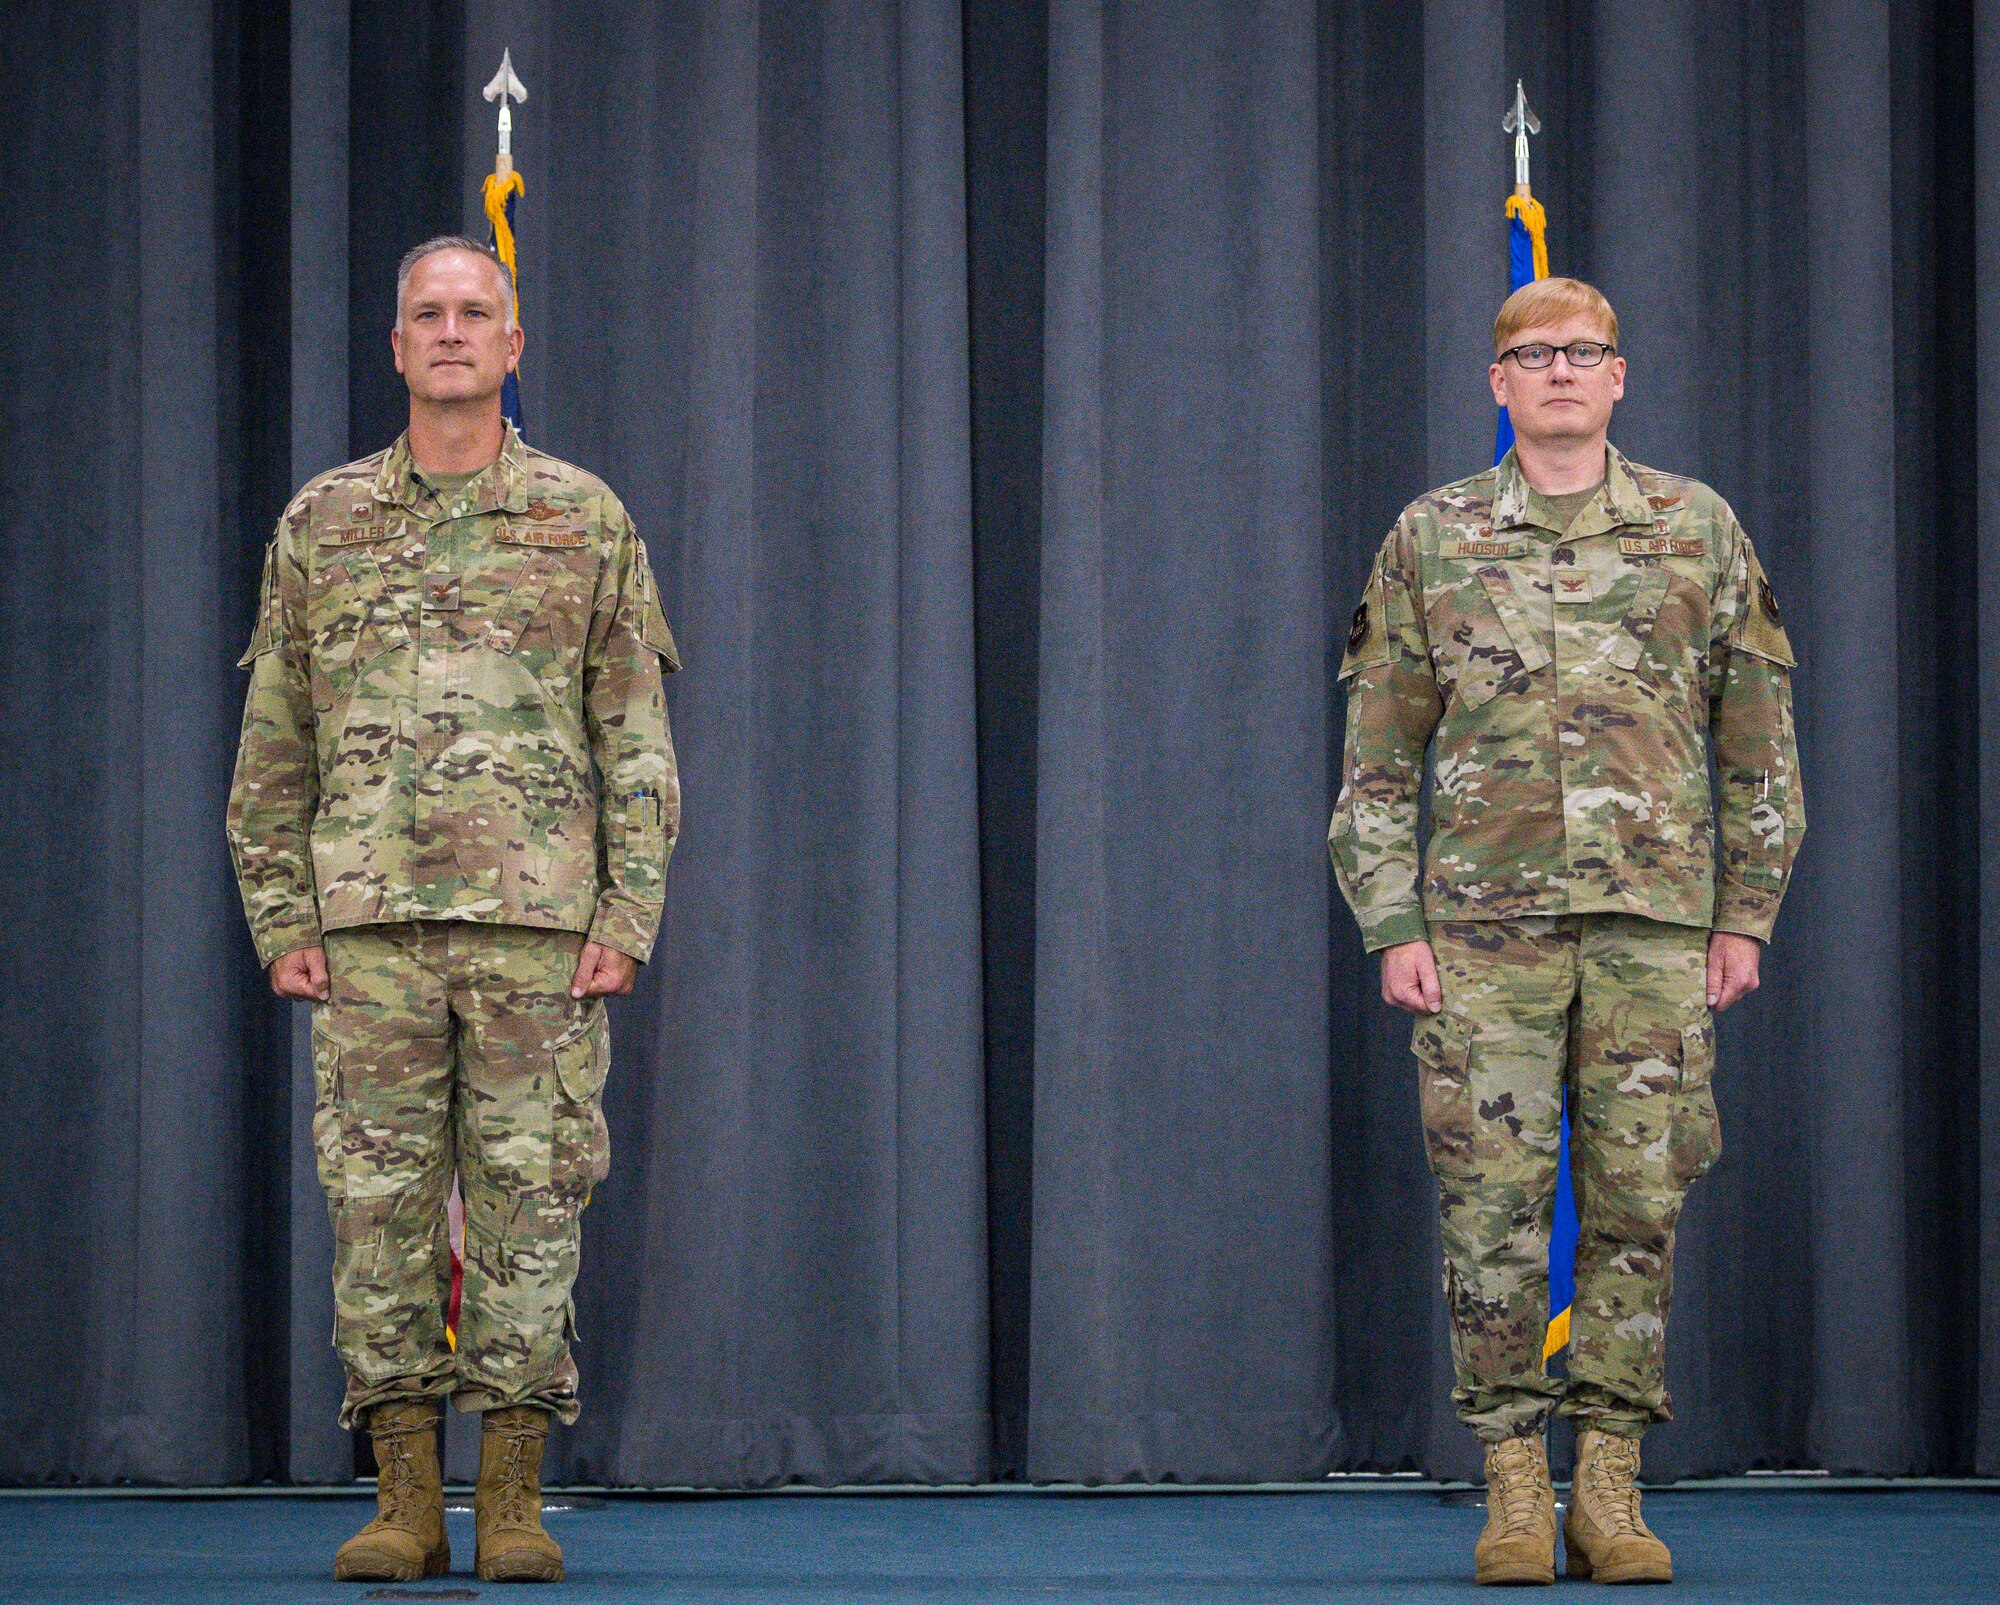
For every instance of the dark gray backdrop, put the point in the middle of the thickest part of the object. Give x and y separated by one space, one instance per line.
1012 396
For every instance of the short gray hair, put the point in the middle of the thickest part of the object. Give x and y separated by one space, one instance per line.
452 242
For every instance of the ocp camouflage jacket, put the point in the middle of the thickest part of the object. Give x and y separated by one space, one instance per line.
1569 688
455 710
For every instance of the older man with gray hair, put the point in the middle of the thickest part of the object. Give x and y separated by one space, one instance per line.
454 803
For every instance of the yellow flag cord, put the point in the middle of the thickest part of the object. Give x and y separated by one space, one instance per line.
495 193
1525 207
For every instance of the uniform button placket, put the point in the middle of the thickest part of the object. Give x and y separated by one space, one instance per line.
1572 739
433 668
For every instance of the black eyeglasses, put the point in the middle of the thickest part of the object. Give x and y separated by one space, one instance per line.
1581 354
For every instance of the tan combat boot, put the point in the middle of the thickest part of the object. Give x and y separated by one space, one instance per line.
1519 1543
406 1540
1602 1534
507 1504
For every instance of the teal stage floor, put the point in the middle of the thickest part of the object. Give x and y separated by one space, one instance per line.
1380 1543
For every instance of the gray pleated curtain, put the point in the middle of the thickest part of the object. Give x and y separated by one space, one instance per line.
1011 397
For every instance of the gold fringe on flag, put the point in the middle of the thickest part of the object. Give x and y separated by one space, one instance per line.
1525 207
495 193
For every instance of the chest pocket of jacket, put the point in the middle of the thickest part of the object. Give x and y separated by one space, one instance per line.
1482 637
1635 610
553 575
351 612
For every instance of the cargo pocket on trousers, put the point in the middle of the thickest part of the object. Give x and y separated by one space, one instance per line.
1442 1043
1342 847
581 1153
328 1148
1697 1136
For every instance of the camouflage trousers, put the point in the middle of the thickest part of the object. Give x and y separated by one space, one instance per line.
450 1047
1613 1008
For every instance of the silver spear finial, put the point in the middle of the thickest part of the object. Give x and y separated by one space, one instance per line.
1520 121
505 88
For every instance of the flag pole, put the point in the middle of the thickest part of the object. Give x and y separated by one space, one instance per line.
1527 229
1521 121
498 194
502 188
1528 260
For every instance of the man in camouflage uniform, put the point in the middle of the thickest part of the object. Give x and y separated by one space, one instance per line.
454 803
1569 637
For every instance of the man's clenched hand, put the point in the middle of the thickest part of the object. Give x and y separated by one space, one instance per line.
602 971
1732 967
301 974
1410 978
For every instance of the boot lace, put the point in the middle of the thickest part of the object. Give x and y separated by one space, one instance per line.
1514 1488
517 1502
397 1484
1612 1474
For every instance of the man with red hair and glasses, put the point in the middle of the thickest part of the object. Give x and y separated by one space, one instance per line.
1569 638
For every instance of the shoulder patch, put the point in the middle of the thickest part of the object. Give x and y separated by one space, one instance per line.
1368 643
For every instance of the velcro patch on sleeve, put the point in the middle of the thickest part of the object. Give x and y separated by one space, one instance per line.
653 629
265 635
1368 645
1761 630
654 633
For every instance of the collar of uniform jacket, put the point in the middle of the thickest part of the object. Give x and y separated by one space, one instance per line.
503 487
1515 503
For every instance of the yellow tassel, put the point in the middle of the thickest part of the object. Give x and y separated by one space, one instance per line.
1525 207
495 192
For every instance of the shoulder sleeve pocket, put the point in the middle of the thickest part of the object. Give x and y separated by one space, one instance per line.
1368 643
1761 631
1697 1052
264 634
653 629
654 632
